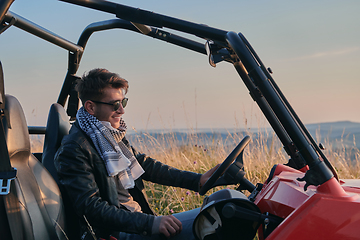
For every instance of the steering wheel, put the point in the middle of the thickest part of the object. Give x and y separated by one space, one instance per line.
224 165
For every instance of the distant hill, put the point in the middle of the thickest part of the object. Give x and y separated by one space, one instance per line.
337 133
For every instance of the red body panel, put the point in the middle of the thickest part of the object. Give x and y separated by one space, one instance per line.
329 211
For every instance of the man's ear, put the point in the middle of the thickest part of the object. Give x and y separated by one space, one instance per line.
90 107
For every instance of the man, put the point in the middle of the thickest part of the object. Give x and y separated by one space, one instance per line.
101 174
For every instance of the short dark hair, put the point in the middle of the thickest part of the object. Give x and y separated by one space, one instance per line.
92 84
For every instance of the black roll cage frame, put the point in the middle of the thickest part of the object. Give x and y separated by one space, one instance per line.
220 46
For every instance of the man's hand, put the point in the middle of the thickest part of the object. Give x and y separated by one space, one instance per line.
170 226
207 175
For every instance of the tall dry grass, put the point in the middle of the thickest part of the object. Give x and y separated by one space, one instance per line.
197 154
344 157
200 152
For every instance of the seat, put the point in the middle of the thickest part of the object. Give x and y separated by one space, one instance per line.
41 205
57 127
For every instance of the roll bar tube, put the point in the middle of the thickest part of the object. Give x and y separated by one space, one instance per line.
258 77
41 32
269 114
153 32
288 148
153 19
74 60
319 172
4 7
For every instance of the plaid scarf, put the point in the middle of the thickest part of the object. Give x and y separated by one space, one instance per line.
107 140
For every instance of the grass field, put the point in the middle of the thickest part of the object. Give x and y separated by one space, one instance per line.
201 153
260 155
192 154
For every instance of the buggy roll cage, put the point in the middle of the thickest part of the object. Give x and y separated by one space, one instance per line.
219 45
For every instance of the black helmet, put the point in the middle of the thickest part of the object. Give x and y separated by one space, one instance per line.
214 222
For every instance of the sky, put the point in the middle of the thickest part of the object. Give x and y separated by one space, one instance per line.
313 48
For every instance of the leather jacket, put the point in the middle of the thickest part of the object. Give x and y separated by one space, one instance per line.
89 191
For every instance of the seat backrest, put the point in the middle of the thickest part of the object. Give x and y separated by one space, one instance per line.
57 127
41 206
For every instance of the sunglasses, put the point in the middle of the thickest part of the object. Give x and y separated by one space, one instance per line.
116 104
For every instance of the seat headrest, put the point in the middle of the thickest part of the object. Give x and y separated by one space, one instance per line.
17 137
57 127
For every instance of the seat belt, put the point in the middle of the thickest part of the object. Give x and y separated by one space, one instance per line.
8 189
8 192
7 175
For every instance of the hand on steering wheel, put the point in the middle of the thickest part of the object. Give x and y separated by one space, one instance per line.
227 162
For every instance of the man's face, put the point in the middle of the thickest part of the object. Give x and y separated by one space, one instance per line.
105 112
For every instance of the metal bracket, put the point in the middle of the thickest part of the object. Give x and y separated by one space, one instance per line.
5 181
216 53
6 25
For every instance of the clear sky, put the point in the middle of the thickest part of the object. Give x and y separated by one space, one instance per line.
313 48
